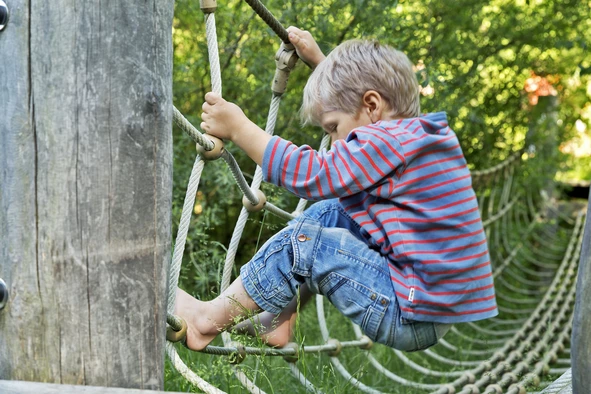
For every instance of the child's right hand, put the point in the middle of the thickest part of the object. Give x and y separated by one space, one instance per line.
226 120
306 47
222 118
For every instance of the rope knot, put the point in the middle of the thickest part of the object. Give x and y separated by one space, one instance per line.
293 348
213 154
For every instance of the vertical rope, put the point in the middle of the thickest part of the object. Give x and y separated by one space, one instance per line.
212 50
181 238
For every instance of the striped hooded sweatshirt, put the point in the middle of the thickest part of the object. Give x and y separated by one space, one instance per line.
406 183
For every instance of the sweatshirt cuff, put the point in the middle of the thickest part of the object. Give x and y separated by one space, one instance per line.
272 159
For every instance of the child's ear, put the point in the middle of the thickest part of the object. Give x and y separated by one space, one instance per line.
373 102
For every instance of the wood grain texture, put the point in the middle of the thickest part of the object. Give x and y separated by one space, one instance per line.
581 334
20 387
85 191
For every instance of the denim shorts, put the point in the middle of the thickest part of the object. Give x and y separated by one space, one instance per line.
323 249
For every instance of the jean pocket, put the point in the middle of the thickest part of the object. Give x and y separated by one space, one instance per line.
362 305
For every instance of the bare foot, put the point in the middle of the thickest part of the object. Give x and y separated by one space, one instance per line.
274 330
199 335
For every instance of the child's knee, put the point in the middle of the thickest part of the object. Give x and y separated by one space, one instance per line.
268 278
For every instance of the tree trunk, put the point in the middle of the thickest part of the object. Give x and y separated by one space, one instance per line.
85 191
581 335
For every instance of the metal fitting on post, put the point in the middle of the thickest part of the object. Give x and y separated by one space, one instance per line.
4 294
208 6
285 60
250 207
215 153
4 14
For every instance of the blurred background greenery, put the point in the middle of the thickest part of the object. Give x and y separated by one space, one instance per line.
498 68
501 69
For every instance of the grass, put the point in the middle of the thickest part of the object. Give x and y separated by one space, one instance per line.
273 375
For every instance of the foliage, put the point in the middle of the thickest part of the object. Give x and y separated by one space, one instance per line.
473 59
476 55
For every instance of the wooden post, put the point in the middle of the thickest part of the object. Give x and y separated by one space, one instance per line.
85 191
581 335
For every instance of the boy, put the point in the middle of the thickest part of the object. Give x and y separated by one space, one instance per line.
399 248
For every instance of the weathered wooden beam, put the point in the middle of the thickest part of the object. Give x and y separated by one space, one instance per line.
85 190
581 335
21 387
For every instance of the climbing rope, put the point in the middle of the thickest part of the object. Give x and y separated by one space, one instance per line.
534 266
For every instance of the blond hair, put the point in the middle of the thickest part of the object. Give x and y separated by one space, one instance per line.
351 69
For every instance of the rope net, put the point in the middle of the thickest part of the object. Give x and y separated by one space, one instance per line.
534 250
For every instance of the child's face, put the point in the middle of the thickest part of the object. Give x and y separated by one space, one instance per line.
339 124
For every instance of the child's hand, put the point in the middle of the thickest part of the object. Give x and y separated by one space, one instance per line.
305 45
226 120
221 118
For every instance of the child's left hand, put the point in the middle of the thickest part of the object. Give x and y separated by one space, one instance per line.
221 118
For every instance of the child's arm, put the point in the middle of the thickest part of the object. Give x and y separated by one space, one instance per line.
306 47
226 120
348 168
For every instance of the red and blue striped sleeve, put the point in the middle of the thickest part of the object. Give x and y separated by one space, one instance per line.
368 155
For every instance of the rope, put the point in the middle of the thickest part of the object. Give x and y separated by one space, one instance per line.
191 130
212 50
269 19
331 347
181 239
537 316
188 373
243 217
505 210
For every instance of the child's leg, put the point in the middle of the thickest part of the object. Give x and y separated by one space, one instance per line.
276 330
270 281
206 319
